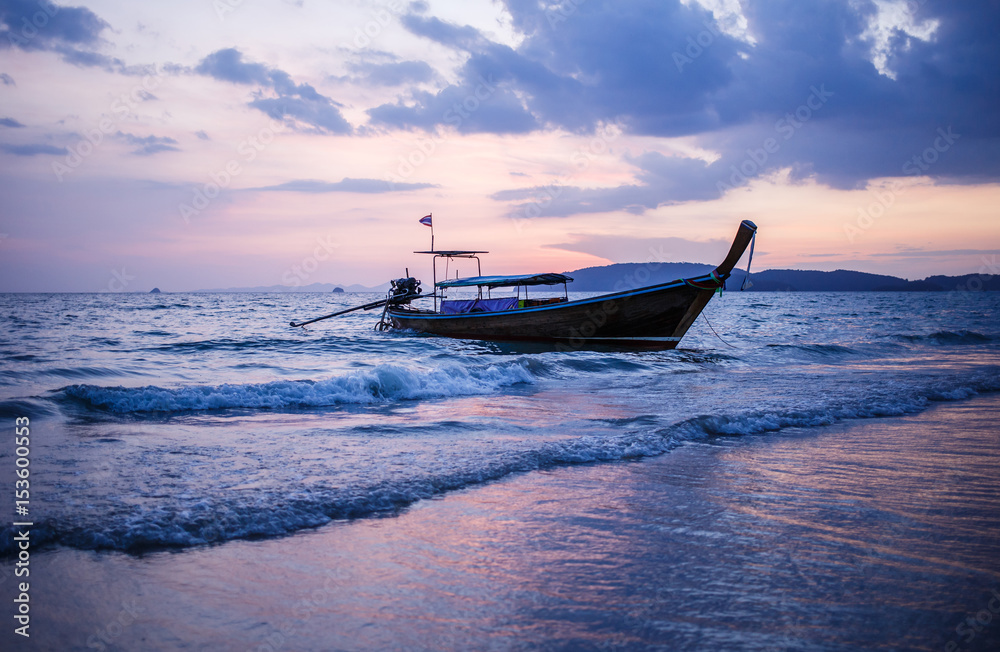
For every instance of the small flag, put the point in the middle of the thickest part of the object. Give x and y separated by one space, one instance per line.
426 220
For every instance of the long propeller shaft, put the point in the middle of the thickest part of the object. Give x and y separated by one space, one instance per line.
367 306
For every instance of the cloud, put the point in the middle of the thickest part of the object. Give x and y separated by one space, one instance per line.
33 25
623 249
73 32
661 180
228 65
33 149
320 115
393 73
369 186
10 122
890 80
480 106
460 37
6 79
625 68
148 145
299 102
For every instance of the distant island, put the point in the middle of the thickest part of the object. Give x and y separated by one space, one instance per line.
155 291
790 280
338 290
626 276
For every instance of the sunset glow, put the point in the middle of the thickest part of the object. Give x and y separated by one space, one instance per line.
217 144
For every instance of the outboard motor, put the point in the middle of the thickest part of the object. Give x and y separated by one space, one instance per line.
402 287
401 292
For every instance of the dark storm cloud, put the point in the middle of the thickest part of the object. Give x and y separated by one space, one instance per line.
804 96
599 63
299 102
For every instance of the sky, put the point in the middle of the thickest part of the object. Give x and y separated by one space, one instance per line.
226 143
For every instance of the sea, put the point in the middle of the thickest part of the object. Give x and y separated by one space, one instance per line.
789 482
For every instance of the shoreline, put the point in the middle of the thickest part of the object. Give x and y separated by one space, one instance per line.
796 539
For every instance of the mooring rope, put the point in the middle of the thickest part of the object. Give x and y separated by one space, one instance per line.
716 334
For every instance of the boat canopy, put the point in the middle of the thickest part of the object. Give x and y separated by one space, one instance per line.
505 281
452 253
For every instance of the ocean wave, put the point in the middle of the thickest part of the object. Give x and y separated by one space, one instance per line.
947 337
160 306
379 384
239 345
226 514
816 350
14 408
88 372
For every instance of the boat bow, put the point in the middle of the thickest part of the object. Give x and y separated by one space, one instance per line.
744 235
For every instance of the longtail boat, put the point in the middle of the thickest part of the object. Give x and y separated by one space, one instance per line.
656 316
653 317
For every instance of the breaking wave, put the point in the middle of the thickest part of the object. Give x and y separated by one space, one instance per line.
201 518
379 384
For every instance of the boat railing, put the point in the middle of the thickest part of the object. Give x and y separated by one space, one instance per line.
448 255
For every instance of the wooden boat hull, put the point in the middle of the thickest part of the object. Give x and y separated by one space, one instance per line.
657 316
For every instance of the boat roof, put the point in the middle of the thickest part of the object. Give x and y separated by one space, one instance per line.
448 252
505 281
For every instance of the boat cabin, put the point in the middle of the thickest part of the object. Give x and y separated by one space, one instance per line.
484 302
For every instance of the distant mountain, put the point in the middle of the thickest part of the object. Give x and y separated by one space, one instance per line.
974 282
624 276
841 280
792 280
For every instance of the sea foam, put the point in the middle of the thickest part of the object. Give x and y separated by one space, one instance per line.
387 382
